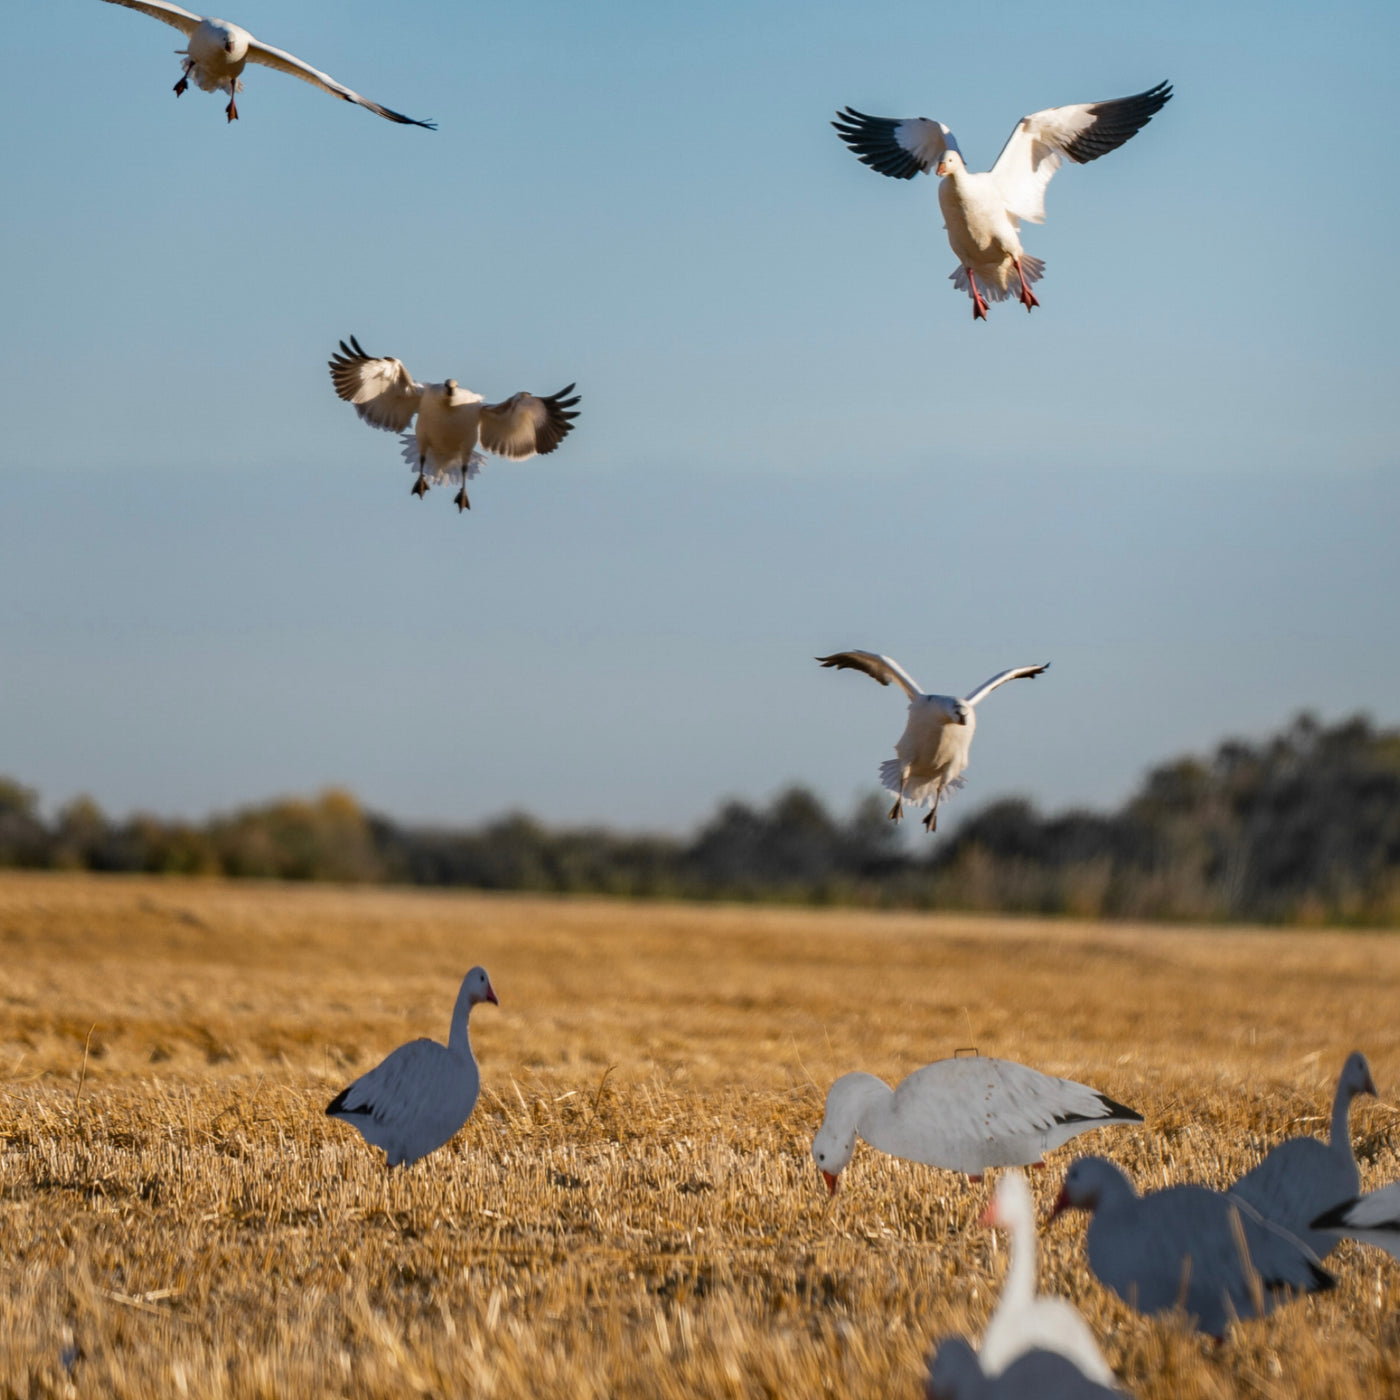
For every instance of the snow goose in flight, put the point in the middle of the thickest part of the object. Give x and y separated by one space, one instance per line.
1373 1219
964 1115
452 421
982 212
218 52
1303 1177
933 750
420 1096
1212 1253
1025 1320
955 1373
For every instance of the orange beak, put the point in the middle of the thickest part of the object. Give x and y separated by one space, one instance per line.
830 1179
491 995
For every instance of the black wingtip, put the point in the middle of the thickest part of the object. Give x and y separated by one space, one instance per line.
1120 1110
337 1104
1333 1219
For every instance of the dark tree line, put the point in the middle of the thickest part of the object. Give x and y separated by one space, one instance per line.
1304 826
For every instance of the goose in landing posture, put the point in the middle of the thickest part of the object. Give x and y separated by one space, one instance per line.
452 421
418 1098
963 1115
219 51
1303 1177
932 753
982 212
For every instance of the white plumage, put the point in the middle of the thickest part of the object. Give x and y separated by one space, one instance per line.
963 1115
218 52
933 752
982 212
452 421
1025 1320
1373 1219
954 1373
1211 1253
419 1097
1303 1177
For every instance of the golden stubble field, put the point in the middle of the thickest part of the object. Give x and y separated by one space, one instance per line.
632 1209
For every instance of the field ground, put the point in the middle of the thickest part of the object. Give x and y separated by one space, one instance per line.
632 1210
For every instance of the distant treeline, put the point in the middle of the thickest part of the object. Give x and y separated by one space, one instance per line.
1304 827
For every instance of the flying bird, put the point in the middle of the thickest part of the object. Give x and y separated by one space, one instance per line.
219 51
452 421
982 211
1303 1177
419 1097
963 1115
933 750
1210 1253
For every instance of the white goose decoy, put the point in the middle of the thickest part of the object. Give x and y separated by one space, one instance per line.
418 1098
1212 1253
219 51
1373 1219
955 1373
1025 1321
982 211
933 750
452 421
963 1115
1303 1177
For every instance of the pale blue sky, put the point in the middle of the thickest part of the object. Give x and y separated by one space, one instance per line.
1177 479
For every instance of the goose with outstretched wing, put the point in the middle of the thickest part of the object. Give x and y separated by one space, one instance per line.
453 423
218 52
933 752
983 210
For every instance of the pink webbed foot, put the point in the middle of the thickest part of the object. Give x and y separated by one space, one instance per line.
1027 298
979 303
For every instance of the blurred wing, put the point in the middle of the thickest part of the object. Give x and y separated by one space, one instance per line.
877 667
284 62
173 15
895 146
383 392
1081 133
525 424
986 688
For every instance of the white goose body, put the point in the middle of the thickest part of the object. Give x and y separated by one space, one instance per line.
983 210
1026 1320
933 752
218 54
964 1115
417 1099
981 233
1303 1177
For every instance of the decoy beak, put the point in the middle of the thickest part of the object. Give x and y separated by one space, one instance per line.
491 995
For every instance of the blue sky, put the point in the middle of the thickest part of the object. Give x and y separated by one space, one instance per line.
1177 479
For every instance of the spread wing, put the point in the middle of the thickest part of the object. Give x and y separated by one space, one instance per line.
284 62
1001 678
1043 140
897 146
525 424
877 667
382 390
173 15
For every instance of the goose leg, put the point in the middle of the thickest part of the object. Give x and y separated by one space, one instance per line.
420 487
1028 297
184 80
231 111
931 821
897 811
979 304
461 499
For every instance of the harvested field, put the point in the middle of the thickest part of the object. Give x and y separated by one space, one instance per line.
632 1210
